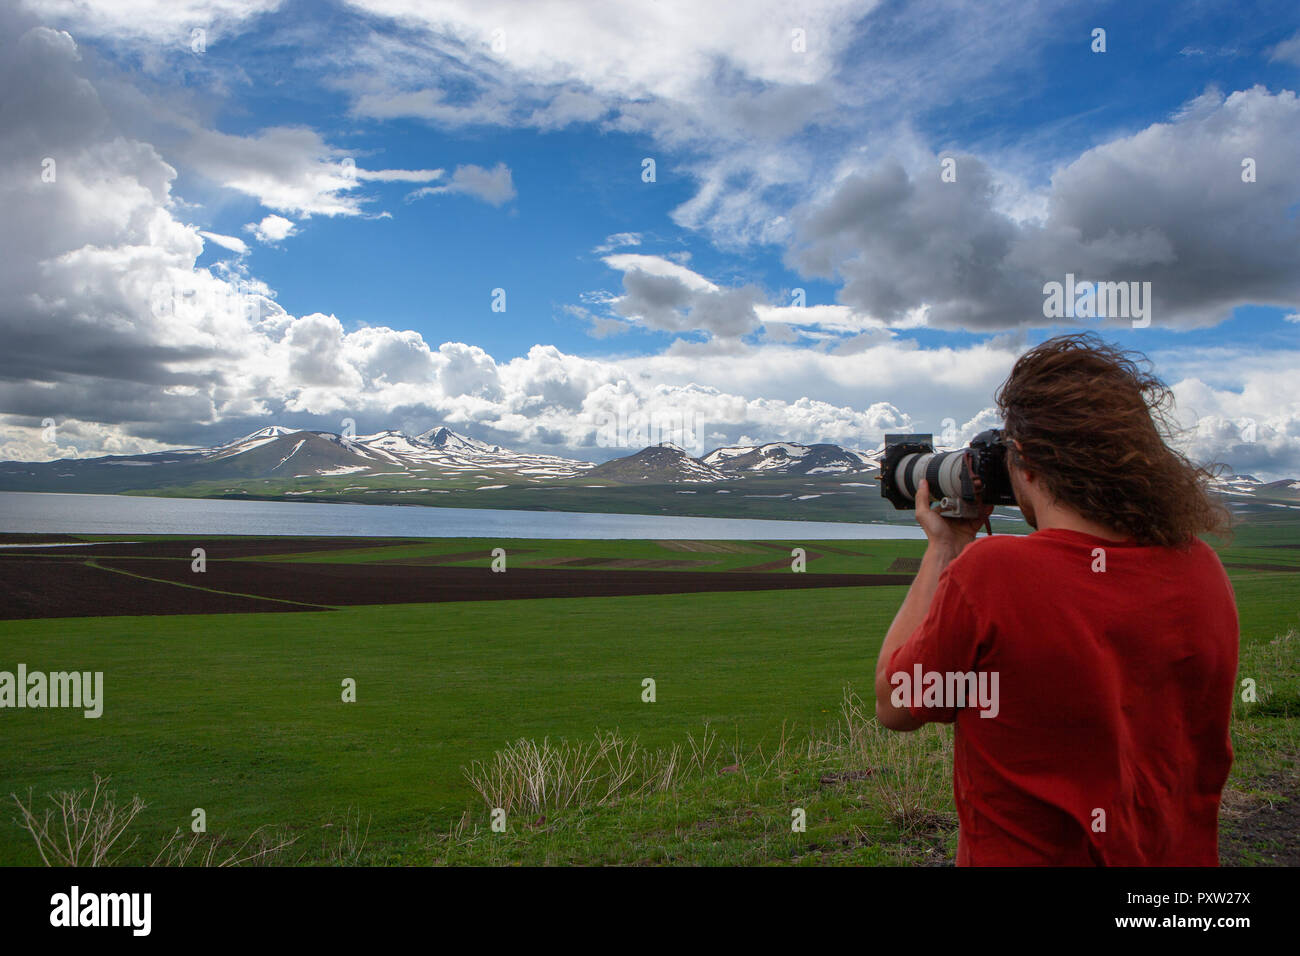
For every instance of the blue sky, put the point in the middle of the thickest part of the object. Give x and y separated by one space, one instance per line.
776 169
433 265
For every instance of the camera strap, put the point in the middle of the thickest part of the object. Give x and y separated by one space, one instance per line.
969 490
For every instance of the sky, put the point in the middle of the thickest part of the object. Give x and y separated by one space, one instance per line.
577 228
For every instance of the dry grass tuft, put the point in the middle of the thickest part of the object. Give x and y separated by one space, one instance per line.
82 828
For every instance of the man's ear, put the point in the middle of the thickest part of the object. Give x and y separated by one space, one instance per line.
1016 460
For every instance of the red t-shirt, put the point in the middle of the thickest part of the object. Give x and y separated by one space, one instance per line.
1114 694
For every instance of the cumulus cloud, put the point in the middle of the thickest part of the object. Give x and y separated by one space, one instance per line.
82 248
666 296
67 438
272 228
1169 205
662 295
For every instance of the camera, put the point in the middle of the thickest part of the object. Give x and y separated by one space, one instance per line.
962 482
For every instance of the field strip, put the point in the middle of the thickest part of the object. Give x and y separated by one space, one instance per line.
433 560
65 544
829 549
91 563
723 547
777 565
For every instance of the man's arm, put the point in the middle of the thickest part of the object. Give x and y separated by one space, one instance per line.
946 537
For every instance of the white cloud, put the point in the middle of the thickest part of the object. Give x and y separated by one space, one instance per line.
660 267
1288 51
154 21
272 228
1240 407
566 48
289 169
400 175
835 318
663 295
235 245
69 438
618 241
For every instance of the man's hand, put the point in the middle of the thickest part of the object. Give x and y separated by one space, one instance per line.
950 534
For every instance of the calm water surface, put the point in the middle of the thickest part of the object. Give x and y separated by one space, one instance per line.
121 514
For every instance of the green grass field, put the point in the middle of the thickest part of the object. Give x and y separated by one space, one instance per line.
242 716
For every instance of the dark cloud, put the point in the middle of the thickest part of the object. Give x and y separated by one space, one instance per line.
1167 206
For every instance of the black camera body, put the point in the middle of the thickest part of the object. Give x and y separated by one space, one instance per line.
951 475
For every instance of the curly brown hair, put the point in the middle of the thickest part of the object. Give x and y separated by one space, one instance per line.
1094 422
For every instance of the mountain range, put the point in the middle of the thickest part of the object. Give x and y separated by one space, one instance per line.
393 460
439 453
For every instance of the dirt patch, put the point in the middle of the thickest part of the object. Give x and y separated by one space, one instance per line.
58 586
1255 828
355 584
217 547
32 588
114 580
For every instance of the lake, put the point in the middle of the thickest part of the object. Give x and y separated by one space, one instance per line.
120 514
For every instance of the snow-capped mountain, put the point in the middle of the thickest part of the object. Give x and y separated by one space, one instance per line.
788 458
263 436
446 439
439 450
664 463
1236 484
441 454
278 451
1242 487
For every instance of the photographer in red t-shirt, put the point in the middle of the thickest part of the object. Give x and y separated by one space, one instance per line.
1103 645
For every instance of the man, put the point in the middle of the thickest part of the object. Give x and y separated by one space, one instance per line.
1108 636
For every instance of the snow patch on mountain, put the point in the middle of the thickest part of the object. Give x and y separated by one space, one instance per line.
301 442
